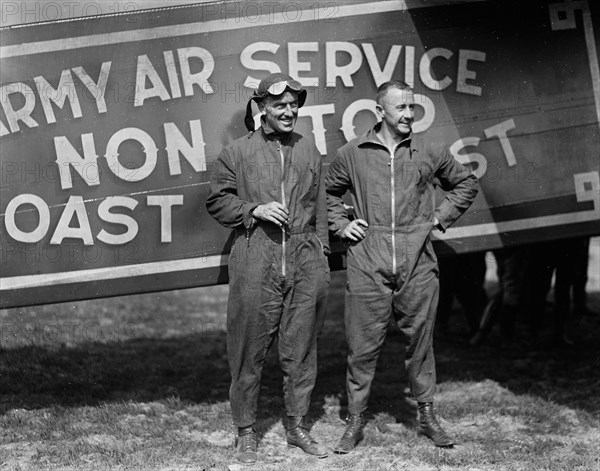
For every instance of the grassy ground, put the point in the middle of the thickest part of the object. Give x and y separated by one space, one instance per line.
140 383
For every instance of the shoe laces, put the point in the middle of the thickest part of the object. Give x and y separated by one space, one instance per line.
247 442
428 417
353 424
303 434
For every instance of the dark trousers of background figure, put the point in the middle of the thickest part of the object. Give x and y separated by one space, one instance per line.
505 306
571 276
568 260
462 276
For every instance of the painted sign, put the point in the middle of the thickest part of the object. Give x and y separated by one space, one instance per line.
109 125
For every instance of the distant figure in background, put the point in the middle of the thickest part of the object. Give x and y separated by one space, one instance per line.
568 260
570 297
267 186
392 268
462 276
505 305
574 278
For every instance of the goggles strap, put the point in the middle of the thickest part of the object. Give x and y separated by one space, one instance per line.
249 119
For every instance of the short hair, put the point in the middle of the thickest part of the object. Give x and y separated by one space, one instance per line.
384 87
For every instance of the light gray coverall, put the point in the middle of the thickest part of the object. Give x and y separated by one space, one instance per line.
278 278
394 268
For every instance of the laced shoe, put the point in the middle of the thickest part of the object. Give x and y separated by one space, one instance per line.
246 446
298 436
353 434
429 426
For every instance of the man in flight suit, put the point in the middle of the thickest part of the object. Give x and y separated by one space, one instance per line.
267 187
391 265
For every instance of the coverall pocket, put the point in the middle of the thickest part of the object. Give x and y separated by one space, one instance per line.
309 189
423 194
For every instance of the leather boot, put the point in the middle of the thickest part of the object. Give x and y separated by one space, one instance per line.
246 445
297 436
429 426
353 434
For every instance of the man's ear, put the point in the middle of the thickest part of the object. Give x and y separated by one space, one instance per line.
261 107
380 110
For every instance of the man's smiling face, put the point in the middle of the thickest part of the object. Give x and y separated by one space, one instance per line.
281 112
397 111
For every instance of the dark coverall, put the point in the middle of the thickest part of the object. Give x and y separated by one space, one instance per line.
278 278
394 268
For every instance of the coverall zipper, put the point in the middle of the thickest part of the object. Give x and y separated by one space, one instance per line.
393 198
393 213
284 204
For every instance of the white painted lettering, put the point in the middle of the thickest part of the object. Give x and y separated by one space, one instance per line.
425 69
345 72
500 131
75 207
165 202
199 78
148 147
104 212
381 75
36 234
178 144
146 72
23 114
295 66
252 64
97 89
316 114
472 157
65 88
464 74
67 157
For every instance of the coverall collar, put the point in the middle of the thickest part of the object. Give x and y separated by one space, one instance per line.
270 134
371 137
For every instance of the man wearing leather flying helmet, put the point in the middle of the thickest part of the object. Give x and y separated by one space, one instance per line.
267 187
275 85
